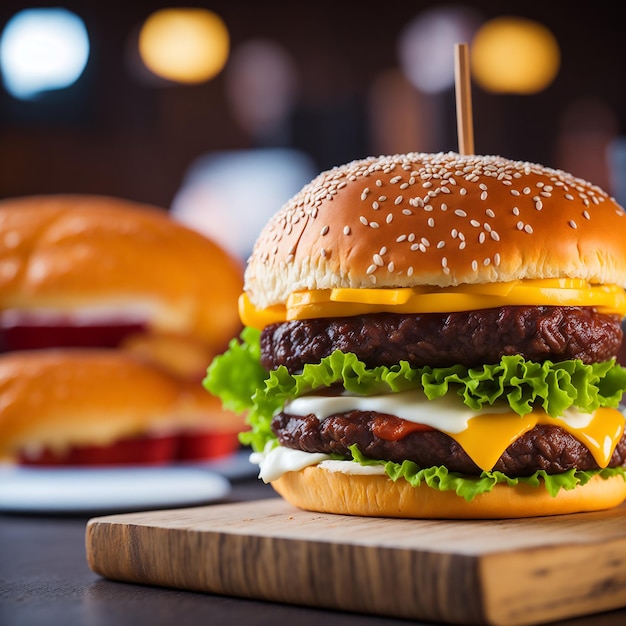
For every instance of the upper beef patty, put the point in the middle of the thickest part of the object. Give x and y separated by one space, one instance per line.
470 338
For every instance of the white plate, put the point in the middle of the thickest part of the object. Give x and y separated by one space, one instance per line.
99 490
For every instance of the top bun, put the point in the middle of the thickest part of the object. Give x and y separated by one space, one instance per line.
65 253
437 219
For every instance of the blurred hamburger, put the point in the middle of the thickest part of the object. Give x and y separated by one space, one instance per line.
434 335
81 273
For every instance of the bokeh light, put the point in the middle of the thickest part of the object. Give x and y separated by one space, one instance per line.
426 45
229 196
41 50
514 55
185 45
261 85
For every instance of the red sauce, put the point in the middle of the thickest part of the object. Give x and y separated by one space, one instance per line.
25 336
392 428
144 450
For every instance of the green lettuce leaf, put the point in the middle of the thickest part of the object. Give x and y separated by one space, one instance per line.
235 375
468 487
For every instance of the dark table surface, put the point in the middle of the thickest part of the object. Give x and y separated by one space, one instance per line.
45 580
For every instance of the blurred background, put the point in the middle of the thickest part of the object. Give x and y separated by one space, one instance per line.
220 110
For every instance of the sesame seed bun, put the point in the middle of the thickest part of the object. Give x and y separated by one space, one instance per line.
315 488
71 252
437 219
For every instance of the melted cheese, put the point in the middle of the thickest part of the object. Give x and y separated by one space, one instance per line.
483 435
427 299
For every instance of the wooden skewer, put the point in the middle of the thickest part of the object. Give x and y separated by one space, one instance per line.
465 127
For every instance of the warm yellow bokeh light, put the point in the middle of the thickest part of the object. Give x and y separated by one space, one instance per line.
184 45
514 55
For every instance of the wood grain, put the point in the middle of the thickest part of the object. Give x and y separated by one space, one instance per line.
512 572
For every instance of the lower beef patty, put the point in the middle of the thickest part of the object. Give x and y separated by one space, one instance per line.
545 447
470 338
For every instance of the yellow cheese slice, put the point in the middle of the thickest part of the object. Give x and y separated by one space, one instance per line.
610 299
488 436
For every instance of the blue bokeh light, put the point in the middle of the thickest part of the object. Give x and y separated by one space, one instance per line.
42 50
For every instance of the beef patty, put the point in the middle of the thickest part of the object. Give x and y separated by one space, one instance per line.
545 447
470 338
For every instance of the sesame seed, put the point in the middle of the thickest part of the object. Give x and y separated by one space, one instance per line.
324 231
375 205
364 194
569 196
494 235
323 253
520 225
572 224
483 195
515 211
529 229
409 272
431 222
586 215
441 244
346 230
379 183
407 212
363 220
389 218
374 225
396 179
371 269
382 198
474 265
481 237
490 213
378 260
398 200
475 223
391 266
460 213
400 239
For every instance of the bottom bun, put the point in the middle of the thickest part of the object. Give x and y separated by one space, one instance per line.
317 489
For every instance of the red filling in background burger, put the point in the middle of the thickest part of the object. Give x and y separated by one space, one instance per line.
435 335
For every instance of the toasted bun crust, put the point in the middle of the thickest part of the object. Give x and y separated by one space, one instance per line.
317 489
437 219
71 397
70 252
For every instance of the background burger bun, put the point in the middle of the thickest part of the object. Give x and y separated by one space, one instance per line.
437 219
70 252
318 489
59 398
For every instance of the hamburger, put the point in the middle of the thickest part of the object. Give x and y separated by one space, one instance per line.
435 336
89 406
82 275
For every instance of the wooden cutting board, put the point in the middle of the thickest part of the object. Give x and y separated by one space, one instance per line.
509 572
